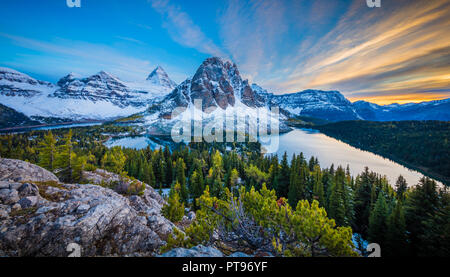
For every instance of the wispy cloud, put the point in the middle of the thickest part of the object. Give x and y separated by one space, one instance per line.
85 58
183 30
399 49
251 32
131 40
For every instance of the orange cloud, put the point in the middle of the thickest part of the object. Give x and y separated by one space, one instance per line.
391 54
401 99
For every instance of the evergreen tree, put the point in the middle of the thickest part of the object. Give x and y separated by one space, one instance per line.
174 210
47 152
318 189
114 160
421 204
284 178
196 186
215 175
396 240
363 202
377 221
181 179
336 207
65 159
401 187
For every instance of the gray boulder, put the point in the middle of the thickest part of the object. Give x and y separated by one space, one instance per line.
240 255
196 251
20 171
43 219
28 202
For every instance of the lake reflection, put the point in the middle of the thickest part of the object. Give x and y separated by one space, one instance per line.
136 142
331 151
312 143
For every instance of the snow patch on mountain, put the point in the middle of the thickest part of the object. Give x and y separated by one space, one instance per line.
100 96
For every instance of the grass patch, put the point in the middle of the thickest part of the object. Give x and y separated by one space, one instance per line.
53 197
23 212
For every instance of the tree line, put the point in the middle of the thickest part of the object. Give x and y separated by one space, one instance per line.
403 219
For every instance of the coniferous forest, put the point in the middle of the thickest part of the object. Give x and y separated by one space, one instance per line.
422 145
328 210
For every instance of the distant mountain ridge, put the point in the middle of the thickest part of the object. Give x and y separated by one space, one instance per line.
100 96
431 110
333 106
216 82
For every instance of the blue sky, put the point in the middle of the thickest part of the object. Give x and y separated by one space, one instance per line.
396 53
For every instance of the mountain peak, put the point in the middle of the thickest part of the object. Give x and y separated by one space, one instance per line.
160 77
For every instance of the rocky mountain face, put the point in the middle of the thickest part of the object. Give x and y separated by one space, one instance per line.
14 83
217 83
99 87
40 216
159 77
100 96
220 88
328 105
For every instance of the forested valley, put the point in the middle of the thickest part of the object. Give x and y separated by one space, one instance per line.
280 200
422 145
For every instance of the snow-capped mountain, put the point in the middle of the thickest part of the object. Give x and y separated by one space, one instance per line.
223 95
432 110
333 106
328 105
159 77
14 83
217 83
99 97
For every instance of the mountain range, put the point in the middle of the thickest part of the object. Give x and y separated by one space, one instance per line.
216 82
101 96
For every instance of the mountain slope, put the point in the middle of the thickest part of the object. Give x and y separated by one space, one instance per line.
159 77
10 117
99 97
214 94
333 106
328 105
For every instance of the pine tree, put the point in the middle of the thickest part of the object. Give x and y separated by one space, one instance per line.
318 189
215 175
47 152
196 186
396 240
65 159
234 177
151 180
363 202
181 179
174 210
377 221
114 161
284 178
336 207
401 187
421 204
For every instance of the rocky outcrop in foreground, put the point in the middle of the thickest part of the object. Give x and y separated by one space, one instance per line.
201 251
39 216
20 171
